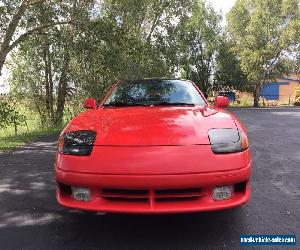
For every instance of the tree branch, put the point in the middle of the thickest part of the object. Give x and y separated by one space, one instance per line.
22 37
12 27
155 22
271 66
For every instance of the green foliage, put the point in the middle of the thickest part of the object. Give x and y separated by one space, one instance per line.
297 101
7 8
26 131
9 114
244 101
228 73
199 45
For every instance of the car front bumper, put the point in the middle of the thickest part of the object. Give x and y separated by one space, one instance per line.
153 194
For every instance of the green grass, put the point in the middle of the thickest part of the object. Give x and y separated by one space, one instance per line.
32 128
244 101
26 132
11 142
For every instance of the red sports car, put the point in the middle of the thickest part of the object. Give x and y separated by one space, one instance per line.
153 146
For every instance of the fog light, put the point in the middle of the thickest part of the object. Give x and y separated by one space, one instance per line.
222 193
81 194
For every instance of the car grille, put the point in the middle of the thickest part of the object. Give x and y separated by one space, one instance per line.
150 196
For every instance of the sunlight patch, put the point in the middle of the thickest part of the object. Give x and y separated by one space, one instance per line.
11 219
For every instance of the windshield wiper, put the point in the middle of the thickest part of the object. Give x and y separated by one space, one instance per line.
123 104
173 104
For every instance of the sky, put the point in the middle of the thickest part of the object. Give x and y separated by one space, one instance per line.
223 5
3 82
219 5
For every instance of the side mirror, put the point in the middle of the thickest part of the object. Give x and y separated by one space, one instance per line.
90 103
221 102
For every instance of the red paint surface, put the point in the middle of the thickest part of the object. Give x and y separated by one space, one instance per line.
146 126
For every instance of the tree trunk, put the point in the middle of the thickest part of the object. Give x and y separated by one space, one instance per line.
6 43
46 73
204 91
204 88
256 94
155 21
62 89
4 48
48 79
16 127
50 83
63 80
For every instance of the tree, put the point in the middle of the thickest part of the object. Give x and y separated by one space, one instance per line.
110 41
9 114
200 42
228 73
11 16
126 40
44 81
262 33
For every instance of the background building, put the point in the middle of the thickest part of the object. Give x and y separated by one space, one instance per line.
283 89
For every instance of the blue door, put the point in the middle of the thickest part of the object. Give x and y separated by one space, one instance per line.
270 91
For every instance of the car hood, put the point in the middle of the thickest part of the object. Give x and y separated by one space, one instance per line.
151 126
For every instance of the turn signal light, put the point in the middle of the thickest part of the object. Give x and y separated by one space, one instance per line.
245 141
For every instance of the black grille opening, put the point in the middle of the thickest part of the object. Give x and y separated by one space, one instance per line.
125 191
176 199
121 199
177 191
240 187
65 189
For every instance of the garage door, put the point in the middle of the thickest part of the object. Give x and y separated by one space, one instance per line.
270 91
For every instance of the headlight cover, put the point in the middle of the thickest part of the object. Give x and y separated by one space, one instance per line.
227 140
77 143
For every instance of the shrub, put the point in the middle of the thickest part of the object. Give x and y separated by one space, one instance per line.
9 114
297 101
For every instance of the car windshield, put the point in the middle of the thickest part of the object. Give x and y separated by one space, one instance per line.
155 92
